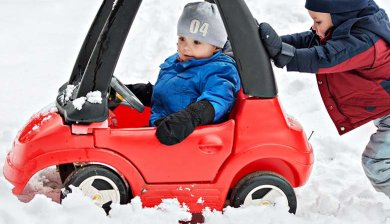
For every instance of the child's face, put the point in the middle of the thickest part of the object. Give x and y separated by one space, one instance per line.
322 23
190 48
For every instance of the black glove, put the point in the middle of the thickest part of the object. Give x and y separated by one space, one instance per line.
271 40
175 127
280 52
142 91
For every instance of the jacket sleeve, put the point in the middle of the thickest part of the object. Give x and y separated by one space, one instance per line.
220 88
335 56
300 40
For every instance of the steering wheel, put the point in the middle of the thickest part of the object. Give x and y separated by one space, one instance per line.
127 95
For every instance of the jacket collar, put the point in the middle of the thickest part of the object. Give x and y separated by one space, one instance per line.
173 61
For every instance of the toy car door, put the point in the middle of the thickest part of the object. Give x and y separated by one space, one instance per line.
197 159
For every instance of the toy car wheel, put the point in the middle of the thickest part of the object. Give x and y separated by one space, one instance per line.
264 189
102 185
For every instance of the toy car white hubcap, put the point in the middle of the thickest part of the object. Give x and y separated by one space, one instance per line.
101 190
265 195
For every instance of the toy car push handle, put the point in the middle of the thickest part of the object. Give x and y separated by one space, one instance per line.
126 94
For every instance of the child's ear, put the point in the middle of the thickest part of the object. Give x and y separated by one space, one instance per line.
216 49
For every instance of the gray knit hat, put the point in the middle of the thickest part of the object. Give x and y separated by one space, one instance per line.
201 21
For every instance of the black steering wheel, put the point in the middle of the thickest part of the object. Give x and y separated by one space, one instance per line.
127 95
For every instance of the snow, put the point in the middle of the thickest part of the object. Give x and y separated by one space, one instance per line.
79 102
200 200
68 92
39 45
92 97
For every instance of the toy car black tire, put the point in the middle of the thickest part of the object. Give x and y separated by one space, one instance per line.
103 181
259 185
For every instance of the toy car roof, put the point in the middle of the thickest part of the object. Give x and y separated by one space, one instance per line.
102 46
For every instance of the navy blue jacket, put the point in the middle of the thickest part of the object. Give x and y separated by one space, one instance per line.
181 83
354 33
353 66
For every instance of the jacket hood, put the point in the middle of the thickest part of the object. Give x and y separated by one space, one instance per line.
371 18
339 18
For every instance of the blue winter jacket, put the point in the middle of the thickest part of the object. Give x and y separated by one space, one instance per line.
181 83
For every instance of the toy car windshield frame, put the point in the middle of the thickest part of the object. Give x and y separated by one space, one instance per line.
103 44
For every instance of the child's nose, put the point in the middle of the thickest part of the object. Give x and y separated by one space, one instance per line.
186 47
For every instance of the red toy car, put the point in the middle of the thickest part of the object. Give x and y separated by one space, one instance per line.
257 156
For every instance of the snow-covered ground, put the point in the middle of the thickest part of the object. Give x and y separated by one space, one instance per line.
39 43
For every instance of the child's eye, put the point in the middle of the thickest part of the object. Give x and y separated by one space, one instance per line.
197 42
181 38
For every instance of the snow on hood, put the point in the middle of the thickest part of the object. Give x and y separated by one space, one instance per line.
50 108
67 93
92 97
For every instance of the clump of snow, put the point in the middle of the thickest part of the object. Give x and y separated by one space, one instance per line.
47 117
42 210
77 208
200 200
68 92
79 102
36 127
264 215
50 108
92 97
169 211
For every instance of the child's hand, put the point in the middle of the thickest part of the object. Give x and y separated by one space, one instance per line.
271 40
175 127
142 91
280 52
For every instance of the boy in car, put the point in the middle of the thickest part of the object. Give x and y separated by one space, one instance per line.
349 49
198 84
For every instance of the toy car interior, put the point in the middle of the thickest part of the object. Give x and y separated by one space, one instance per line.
256 157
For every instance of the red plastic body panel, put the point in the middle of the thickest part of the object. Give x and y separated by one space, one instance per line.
199 171
127 117
195 196
184 162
